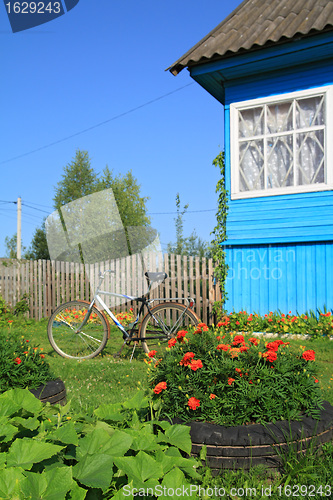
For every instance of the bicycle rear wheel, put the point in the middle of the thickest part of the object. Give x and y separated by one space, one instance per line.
167 320
67 340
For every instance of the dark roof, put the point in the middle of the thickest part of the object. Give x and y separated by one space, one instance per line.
255 23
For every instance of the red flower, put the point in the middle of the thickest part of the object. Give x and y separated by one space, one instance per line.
230 380
254 341
18 361
272 346
172 342
238 370
212 396
243 348
181 334
187 359
193 403
238 339
223 347
160 387
195 364
237 323
270 355
10 321
220 324
308 355
151 354
42 355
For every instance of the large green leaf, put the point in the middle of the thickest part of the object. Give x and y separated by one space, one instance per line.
10 481
172 458
7 430
100 441
65 434
77 493
144 439
50 485
94 471
139 400
26 452
175 486
14 399
111 412
141 467
30 423
179 436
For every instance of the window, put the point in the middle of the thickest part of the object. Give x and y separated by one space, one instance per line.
279 144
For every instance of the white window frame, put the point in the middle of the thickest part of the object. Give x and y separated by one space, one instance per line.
328 152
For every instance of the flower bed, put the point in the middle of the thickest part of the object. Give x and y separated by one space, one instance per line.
278 323
21 363
230 379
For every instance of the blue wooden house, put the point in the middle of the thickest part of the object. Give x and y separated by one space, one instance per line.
270 64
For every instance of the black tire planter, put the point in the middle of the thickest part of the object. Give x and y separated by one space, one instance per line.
53 392
246 446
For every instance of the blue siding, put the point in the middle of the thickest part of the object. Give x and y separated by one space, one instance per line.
293 278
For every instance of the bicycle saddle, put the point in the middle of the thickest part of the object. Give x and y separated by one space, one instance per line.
156 276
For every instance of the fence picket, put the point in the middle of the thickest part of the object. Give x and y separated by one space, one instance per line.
50 283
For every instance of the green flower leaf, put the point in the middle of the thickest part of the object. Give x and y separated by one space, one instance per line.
65 434
11 480
179 436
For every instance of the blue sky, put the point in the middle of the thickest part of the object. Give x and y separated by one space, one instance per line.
100 60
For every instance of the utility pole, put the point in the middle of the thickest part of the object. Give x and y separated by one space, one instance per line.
19 214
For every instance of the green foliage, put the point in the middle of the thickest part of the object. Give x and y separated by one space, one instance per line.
190 245
22 306
21 363
11 246
219 233
219 377
80 179
49 452
38 249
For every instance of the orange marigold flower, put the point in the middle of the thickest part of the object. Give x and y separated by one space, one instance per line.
238 370
219 324
42 355
151 354
187 359
309 355
195 364
254 341
193 403
212 396
270 355
230 380
181 334
238 339
160 387
10 321
223 347
272 346
172 342
244 348
234 351
18 361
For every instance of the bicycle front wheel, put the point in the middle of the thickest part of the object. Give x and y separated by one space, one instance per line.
66 337
166 320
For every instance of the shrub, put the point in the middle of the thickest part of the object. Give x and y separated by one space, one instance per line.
230 379
21 363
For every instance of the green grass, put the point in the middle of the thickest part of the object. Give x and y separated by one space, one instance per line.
105 379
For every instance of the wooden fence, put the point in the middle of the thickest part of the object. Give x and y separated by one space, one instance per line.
48 283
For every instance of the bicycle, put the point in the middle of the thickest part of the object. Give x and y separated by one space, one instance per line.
80 330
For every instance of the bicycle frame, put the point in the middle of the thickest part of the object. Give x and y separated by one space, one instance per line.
144 302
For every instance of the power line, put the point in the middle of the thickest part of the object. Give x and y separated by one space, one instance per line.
187 212
97 125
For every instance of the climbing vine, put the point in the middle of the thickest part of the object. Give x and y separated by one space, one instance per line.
220 235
